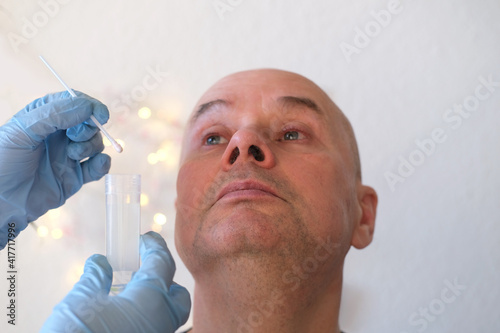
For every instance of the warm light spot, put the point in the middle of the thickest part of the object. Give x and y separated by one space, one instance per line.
144 199
171 111
160 219
152 158
121 142
53 214
162 154
144 113
57 233
74 274
172 160
169 153
106 142
156 228
42 231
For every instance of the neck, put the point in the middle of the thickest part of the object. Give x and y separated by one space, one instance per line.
243 297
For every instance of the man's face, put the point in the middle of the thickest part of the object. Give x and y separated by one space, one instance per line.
265 171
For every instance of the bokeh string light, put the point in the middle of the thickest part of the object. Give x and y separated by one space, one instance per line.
144 112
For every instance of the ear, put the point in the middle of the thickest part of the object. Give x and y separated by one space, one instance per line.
363 230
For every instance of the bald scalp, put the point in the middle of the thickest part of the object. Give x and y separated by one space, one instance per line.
342 126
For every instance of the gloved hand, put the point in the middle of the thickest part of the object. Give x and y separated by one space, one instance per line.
151 302
40 160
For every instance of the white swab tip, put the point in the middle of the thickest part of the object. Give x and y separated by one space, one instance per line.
117 146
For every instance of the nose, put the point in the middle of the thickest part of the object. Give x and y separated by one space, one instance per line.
248 146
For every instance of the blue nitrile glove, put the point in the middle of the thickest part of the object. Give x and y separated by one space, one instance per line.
40 160
151 302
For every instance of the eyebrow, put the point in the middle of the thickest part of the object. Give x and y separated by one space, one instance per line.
285 101
207 107
294 101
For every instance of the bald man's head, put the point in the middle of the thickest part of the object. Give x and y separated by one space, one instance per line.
269 165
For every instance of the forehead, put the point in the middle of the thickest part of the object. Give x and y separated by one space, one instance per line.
263 87
266 78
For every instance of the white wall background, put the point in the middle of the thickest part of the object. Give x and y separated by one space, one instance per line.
439 227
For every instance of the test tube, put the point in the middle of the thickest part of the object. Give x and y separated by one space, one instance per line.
123 224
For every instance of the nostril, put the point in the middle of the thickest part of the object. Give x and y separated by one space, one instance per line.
257 153
234 155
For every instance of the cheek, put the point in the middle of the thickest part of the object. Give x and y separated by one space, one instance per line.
322 182
313 177
192 182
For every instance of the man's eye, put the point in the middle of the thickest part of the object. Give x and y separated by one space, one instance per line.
291 135
215 140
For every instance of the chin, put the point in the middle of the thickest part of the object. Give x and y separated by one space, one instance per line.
244 231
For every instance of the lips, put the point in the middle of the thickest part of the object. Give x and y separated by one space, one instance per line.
246 189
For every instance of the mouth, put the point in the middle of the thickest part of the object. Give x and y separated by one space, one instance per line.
248 189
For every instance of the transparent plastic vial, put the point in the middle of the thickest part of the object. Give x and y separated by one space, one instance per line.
123 224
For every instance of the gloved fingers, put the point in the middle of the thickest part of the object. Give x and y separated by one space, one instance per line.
164 305
180 300
102 114
95 167
96 278
54 112
158 266
46 99
82 132
85 130
79 310
80 150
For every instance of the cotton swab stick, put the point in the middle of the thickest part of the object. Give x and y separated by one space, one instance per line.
115 144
